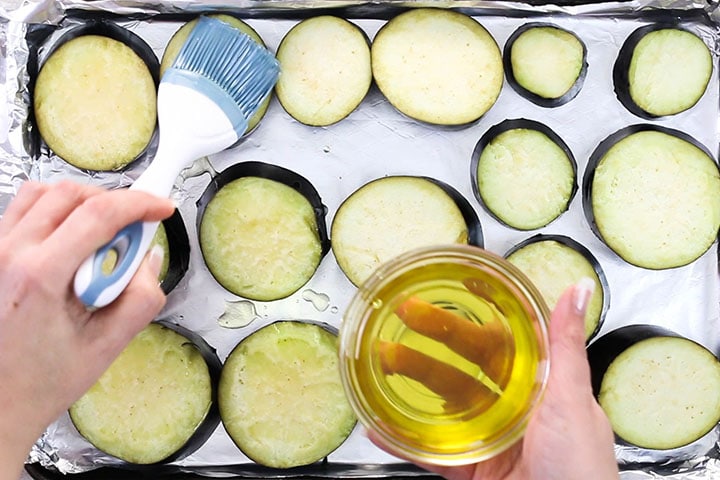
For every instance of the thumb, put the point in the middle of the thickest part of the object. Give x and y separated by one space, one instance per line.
113 327
567 336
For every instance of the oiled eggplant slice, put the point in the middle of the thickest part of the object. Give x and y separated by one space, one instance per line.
156 402
437 66
178 39
281 397
262 230
554 263
392 215
660 390
662 69
545 63
652 194
523 174
326 72
77 108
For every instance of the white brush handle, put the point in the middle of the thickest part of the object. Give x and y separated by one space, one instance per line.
192 126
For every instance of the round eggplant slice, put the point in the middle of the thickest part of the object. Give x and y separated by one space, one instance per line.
659 390
523 174
545 63
80 114
326 72
262 230
437 66
652 194
281 397
172 49
662 70
554 263
393 215
155 403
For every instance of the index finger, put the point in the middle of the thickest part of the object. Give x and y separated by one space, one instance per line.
567 336
96 221
28 193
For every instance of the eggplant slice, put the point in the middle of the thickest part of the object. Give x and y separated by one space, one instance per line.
262 231
652 194
523 174
77 108
155 403
172 49
555 262
437 66
662 70
393 215
545 63
326 71
659 390
281 397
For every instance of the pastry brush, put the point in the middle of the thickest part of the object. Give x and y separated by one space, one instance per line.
205 100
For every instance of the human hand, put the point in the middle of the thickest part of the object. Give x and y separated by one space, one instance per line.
569 437
52 349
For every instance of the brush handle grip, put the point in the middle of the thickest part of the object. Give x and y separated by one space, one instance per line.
182 140
97 288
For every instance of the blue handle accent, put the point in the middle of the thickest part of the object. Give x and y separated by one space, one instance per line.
126 243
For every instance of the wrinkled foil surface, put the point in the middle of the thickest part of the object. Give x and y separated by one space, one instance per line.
372 142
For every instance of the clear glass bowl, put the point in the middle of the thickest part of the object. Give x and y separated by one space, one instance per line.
444 354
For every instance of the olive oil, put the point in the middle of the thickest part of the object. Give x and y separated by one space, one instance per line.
449 360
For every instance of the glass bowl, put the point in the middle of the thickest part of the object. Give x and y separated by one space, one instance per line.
444 354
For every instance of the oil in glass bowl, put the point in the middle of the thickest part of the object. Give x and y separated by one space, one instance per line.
444 354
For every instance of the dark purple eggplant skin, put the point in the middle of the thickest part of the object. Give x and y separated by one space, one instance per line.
179 245
271 172
603 351
429 125
581 249
533 97
107 28
475 233
622 66
211 421
512 124
102 27
600 152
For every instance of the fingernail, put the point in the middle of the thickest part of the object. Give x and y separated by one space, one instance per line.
155 259
581 295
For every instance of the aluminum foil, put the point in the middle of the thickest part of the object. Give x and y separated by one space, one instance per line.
372 142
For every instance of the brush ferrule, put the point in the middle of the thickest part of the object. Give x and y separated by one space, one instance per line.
215 93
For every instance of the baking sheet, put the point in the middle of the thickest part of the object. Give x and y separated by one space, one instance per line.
372 142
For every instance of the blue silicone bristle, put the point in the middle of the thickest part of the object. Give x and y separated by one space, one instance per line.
230 59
